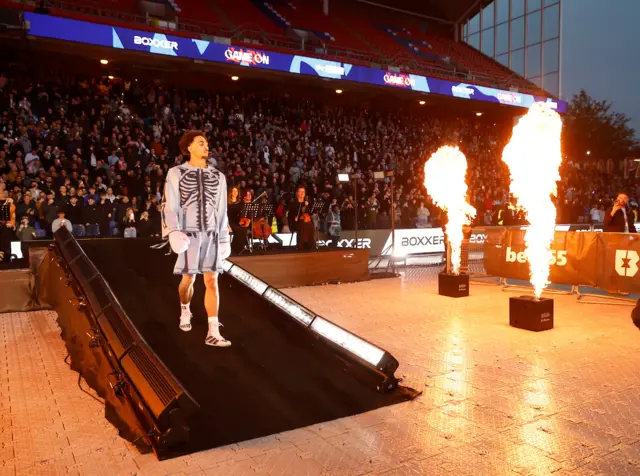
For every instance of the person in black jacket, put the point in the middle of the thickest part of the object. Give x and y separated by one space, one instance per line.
156 221
73 213
635 315
619 218
49 212
144 225
27 207
107 215
122 209
91 217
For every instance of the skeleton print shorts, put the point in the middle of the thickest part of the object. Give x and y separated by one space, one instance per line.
201 256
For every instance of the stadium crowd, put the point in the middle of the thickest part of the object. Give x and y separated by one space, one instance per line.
91 154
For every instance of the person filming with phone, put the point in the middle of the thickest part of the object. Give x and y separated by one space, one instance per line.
619 218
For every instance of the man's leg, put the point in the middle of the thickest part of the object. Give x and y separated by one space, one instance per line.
211 298
5 243
299 242
211 304
239 239
185 292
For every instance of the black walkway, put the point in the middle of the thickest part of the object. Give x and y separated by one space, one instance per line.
272 379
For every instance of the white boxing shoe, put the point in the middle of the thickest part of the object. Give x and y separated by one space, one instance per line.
214 338
185 321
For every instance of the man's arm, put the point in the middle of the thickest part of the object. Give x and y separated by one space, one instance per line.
12 215
608 217
170 205
223 221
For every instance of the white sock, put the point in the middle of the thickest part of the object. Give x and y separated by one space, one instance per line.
185 309
214 326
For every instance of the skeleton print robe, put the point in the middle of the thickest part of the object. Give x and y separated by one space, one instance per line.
195 203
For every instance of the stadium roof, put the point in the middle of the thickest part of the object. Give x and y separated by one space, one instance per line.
449 11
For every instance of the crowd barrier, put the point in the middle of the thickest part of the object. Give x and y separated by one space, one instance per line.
414 241
608 261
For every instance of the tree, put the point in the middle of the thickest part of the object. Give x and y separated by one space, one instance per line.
591 126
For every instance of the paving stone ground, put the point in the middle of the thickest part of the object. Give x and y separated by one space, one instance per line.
496 400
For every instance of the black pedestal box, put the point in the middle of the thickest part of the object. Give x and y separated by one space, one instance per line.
453 285
525 312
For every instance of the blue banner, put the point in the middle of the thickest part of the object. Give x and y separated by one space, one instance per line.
159 43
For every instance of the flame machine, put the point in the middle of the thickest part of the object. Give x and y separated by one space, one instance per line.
444 178
534 156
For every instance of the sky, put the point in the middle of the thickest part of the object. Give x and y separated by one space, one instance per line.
601 53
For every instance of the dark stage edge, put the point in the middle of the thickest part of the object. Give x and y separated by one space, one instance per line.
286 270
272 379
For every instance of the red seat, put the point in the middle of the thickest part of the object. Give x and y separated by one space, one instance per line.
357 39
198 11
245 15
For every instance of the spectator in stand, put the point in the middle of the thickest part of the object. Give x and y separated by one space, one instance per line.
92 194
129 223
62 199
26 207
372 211
26 232
333 224
49 212
156 222
422 216
91 218
73 213
7 223
61 222
73 136
384 221
144 226
619 218
596 214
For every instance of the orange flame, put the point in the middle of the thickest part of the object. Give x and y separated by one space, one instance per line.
444 179
534 157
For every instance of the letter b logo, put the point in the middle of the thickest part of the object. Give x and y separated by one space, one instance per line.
627 263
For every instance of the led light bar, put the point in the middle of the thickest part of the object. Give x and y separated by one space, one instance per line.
250 280
226 265
289 306
363 349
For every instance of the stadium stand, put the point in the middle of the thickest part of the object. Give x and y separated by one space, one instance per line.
353 32
198 11
246 15
71 134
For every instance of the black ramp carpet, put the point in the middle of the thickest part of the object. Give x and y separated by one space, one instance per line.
272 379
